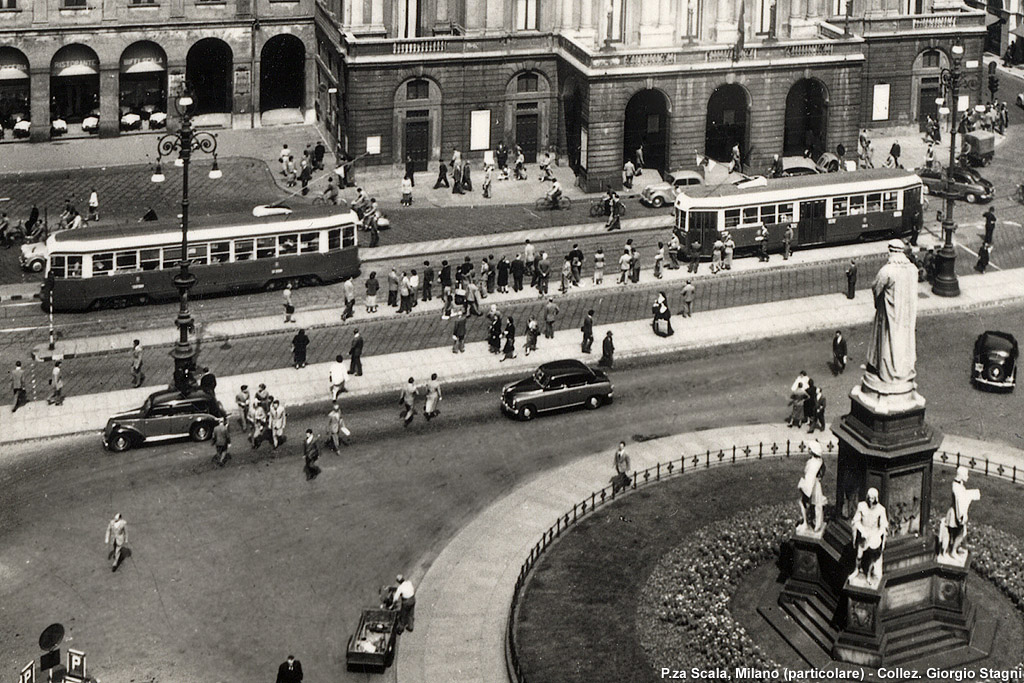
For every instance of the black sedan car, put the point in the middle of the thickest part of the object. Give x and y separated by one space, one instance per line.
166 414
995 361
556 385
967 183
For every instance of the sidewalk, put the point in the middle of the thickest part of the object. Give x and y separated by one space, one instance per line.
387 373
463 599
311 318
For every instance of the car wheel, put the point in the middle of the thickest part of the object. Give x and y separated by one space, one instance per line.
200 431
971 198
36 266
528 413
658 202
120 442
594 402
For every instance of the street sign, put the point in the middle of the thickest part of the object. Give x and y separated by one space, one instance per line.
49 660
28 674
76 663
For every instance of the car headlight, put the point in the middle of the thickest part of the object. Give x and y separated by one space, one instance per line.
978 367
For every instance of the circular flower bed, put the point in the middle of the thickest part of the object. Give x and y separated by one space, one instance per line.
683 613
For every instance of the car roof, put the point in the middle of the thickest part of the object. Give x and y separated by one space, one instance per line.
1004 341
686 174
564 367
798 162
165 396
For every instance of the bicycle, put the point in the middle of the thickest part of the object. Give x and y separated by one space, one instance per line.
599 208
545 203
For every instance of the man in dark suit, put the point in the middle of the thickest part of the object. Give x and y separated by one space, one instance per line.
990 225
588 331
851 279
428 281
355 353
290 671
839 352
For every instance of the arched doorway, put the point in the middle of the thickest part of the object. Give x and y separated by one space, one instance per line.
726 123
646 125
143 84
416 123
926 85
14 87
74 83
208 72
283 73
806 119
572 110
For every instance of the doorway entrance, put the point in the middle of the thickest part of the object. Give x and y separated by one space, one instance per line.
726 123
646 126
208 71
282 73
417 139
806 119
527 133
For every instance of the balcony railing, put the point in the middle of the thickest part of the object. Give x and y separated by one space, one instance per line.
448 45
969 21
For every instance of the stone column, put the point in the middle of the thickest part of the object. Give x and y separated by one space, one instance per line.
655 25
567 14
475 14
813 9
355 12
495 16
725 27
587 20
40 104
377 13
110 109
441 20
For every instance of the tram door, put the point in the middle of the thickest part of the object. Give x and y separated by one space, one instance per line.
811 229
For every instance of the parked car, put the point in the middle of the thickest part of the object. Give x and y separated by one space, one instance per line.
967 183
798 166
1020 100
556 385
664 193
165 414
33 257
995 361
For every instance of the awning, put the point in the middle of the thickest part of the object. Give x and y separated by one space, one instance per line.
75 60
141 58
13 65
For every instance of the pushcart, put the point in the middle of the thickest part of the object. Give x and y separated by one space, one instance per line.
372 646
979 147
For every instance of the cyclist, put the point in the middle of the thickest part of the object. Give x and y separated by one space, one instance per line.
330 194
362 202
554 194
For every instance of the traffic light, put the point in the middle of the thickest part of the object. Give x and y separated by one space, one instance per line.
993 85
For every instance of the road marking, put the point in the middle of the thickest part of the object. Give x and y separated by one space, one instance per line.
15 303
975 255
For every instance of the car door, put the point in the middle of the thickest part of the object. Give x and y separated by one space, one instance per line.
554 394
160 421
577 388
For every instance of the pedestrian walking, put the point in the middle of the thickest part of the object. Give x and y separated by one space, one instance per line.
510 340
355 355
551 311
530 259
487 276
689 294
467 181
501 279
442 176
138 377
984 255
517 269
494 335
459 332
661 321
851 279
372 287
18 385
674 245
278 421
221 442
625 264
404 294
628 171
408 402
456 177
283 157
337 376
473 298
405 599
588 332
349 294
428 281
717 249
694 264
394 283
94 205
290 671
762 242
406 191
260 423
615 210
242 401
488 181
310 454
797 397
289 308
620 462
607 351
300 342
659 258
787 242
543 273
305 175
337 432
566 276
839 353
810 404
729 251
599 266
117 538
990 225
431 410
818 418
56 385
319 150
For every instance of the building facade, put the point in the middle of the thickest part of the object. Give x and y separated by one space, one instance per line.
594 80
246 62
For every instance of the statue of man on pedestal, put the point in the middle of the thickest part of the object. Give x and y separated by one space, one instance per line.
870 528
811 497
953 529
892 354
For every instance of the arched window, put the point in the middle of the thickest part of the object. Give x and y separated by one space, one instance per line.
528 83
417 90
930 59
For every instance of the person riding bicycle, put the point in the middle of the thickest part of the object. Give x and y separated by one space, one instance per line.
330 194
554 194
608 200
362 202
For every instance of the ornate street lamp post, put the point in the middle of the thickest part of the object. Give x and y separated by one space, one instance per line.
946 283
184 143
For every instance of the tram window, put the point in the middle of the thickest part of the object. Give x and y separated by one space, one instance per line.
266 247
127 260
840 206
857 205
348 236
732 218
750 215
889 201
198 254
57 265
149 259
220 252
74 267
289 244
309 243
103 264
172 256
704 221
243 250
334 239
786 213
681 220
768 214
875 202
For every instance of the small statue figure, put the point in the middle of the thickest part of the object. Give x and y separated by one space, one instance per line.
870 527
811 497
953 529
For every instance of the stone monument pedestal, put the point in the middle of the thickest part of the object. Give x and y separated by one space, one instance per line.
919 607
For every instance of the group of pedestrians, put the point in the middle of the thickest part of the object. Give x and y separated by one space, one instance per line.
505 164
806 403
432 399
261 416
301 172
